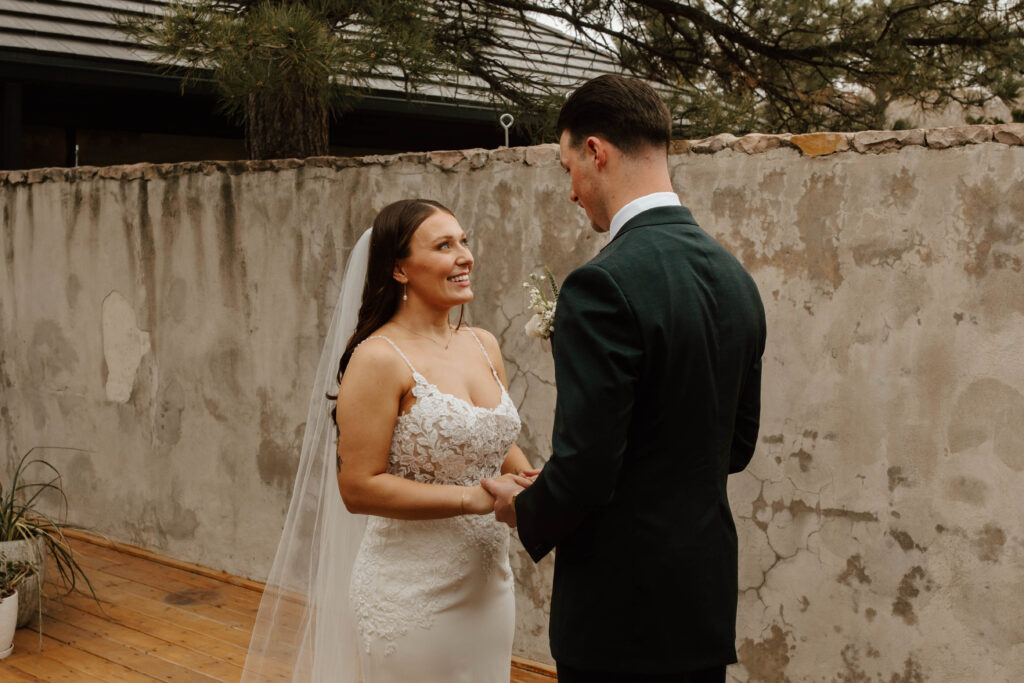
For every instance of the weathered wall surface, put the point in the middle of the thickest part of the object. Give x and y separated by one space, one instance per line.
167 319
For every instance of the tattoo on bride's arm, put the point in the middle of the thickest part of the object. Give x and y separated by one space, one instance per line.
338 459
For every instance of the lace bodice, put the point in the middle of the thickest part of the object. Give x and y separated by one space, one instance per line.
444 439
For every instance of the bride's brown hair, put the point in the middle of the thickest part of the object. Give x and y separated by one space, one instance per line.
389 241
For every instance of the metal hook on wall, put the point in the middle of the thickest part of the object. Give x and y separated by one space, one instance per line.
506 120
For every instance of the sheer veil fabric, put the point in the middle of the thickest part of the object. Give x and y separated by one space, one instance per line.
304 629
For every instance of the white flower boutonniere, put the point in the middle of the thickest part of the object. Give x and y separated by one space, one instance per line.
542 324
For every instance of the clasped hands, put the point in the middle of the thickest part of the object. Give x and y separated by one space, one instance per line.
502 490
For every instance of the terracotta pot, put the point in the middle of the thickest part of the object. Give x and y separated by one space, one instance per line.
8 623
34 553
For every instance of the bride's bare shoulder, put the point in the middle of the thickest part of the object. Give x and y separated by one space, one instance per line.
376 356
489 341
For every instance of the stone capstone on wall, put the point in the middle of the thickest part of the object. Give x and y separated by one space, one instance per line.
168 319
808 144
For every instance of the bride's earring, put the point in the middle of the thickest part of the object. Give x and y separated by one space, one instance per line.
405 292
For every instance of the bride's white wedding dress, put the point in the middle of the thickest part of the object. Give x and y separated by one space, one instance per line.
357 599
433 600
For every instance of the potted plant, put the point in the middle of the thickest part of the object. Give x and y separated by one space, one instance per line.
27 534
13 574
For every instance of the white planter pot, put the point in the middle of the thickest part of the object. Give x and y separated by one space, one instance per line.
8 624
23 551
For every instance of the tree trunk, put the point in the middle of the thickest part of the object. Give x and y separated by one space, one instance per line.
289 125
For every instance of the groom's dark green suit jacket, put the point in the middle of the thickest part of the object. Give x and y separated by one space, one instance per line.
657 347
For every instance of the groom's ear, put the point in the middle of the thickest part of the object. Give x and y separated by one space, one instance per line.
596 151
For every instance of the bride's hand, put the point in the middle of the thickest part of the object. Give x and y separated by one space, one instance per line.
521 479
476 501
531 473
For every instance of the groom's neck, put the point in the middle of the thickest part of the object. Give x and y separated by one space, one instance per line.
637 175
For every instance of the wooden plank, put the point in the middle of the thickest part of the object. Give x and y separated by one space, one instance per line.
170 579
26 645
84 661
89 559
169 614
51 670
525 668
158 609
207 602
153 556
27 660
129 637
525 676
146 655
9 674
204 602
171 630
241 602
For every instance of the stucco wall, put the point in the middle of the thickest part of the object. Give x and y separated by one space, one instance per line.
167 319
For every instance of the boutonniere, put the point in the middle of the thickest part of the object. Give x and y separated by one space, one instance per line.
542 324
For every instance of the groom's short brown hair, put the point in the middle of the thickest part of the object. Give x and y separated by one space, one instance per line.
626 112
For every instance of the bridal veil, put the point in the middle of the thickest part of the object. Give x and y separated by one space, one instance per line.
304 630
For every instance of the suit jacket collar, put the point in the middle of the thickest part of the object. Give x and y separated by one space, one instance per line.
659 215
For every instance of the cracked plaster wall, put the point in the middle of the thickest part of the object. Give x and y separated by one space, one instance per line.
168 319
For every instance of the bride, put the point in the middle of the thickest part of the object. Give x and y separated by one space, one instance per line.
408 578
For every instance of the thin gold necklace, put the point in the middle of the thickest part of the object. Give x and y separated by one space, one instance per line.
451 335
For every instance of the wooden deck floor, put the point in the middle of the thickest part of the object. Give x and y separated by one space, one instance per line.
158 622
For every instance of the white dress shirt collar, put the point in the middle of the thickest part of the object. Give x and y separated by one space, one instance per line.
638 206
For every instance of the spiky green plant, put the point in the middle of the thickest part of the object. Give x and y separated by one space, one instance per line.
21 518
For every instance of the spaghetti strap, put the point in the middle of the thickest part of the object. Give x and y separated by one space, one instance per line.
481 345
398 350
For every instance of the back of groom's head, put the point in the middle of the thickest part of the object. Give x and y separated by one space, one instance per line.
626 112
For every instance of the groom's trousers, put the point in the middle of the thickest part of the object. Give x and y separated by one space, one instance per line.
715 674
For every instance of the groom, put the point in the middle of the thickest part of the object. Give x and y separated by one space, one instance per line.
657 349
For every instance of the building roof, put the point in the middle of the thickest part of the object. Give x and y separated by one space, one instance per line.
79 37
